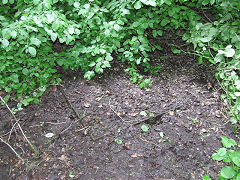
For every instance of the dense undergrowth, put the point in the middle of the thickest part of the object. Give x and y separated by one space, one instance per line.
38 36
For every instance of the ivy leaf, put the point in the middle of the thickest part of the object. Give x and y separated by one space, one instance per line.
32 51
144 128
35 41
228 172
228 142
138 5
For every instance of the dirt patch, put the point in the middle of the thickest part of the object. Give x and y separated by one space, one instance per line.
109 144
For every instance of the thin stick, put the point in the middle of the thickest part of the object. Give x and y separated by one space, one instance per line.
18 155
69 104
115 111
17 122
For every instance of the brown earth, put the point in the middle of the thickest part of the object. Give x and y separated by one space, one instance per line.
109 143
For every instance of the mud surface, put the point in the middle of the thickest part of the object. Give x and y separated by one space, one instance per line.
188 121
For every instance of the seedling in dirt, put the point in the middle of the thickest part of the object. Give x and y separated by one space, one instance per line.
162 137
42 124
118 141
194 121
151 114
131 173
143 113
71 175
144 128
98 98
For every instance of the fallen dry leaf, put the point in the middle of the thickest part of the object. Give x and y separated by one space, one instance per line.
87 105
136 155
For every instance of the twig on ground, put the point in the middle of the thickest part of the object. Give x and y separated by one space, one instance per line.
36 152
80 117
18 155
115 111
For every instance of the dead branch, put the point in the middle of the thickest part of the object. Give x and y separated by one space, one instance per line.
34 148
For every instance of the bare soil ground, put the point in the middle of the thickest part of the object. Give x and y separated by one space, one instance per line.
109 143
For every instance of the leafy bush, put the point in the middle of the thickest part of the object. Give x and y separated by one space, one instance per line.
229 154
38 36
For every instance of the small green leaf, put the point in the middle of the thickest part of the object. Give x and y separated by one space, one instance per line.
25 71
235 157
32 51
143 113
175 50
53 37
206 178
5 43
118 141
220 155
138 5
144 128
4 1
164 22
228 142
228 172
35 41
76 4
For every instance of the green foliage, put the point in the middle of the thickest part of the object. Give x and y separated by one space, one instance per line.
144 128
36 37
230 156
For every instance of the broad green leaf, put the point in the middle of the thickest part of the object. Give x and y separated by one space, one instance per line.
5 43
4 1
228 142
89 74
138 5
32 51
35 41
71 30
76 4
206 39
238 176
164 22
229 51
144 128
25 71
55 25
53 37
220 155
14 34
228 172
235 157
